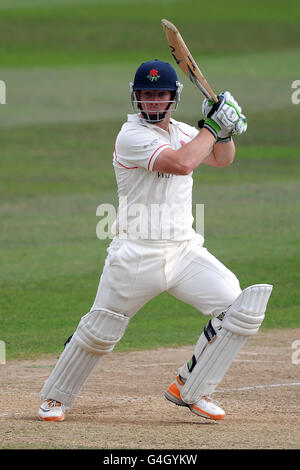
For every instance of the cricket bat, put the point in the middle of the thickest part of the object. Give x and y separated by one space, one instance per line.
185 61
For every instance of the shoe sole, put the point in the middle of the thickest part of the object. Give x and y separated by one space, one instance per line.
193 409
174 399
53 418
204 414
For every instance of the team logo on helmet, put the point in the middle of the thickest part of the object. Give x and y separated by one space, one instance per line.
153 75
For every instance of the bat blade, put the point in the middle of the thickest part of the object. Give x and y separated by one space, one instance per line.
185 61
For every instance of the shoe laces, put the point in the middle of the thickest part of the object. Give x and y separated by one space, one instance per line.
53 403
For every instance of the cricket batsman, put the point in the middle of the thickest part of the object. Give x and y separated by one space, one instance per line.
155 248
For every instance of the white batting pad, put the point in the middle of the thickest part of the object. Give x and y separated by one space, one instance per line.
95 336
242 319
69 375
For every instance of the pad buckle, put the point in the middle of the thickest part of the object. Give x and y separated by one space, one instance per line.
209 332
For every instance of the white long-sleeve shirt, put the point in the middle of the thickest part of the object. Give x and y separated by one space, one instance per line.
152 205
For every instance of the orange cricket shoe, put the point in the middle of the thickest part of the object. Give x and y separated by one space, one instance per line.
204 407
52 410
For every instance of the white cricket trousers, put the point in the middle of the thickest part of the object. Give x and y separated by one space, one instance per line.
135 271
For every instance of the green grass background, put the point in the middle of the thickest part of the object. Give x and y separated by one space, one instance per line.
67 66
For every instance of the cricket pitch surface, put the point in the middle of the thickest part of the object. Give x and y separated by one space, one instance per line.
122 405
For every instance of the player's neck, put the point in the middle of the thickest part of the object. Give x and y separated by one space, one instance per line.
164 124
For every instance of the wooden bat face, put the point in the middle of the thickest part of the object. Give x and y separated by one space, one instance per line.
185 60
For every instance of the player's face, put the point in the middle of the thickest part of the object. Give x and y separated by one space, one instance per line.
154 101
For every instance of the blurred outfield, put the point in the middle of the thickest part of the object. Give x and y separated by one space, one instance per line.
67 66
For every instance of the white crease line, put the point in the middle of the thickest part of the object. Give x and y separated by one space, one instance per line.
249 353
255 387
2 392
261 353
5 415
257 360
137 366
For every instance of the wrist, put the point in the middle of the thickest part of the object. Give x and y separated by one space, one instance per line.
210 125
223 140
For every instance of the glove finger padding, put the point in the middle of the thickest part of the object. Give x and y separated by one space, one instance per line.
241 125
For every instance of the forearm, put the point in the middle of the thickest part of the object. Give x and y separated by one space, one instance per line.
188 157
195 152
222 154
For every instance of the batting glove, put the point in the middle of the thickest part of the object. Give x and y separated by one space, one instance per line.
224 118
